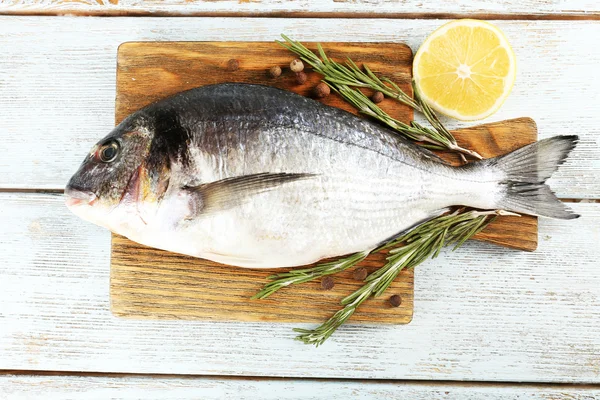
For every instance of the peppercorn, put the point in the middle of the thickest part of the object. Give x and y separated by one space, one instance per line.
360 274
275 71
327 283
321 90
300 78
296 65
377 97
233 65
395 300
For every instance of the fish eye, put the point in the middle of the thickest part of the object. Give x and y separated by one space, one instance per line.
109 151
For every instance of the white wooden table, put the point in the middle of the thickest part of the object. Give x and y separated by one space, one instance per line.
489 323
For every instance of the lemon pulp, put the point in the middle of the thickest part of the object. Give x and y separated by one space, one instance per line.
465 69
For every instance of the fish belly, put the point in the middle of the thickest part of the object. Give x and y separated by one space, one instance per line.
305 221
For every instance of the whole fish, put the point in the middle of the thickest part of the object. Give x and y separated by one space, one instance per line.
259 177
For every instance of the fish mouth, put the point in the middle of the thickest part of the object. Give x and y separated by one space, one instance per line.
77 197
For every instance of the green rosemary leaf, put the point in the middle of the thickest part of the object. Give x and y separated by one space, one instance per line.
322 53
375 78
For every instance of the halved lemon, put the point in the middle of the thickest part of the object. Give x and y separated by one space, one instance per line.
465 69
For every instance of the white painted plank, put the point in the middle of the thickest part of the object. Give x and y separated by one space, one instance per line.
58 82
21 387
304 7
482 313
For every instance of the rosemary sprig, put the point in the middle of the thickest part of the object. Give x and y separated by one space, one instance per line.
343 78
296 276
409 251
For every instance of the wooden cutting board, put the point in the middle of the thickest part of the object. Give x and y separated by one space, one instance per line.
150 283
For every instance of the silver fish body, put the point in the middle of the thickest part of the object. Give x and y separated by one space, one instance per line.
257 177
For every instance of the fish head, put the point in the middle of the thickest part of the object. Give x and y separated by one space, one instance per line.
117 174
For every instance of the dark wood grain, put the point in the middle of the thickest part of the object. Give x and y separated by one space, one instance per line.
151 283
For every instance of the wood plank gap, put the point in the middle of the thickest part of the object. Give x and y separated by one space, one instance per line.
453 383
29 190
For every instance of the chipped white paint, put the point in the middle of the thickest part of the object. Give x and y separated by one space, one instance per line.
149 388
381 8
482 313
57 80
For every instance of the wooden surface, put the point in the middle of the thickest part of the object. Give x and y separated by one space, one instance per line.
312 8
482 313
156 284
150 283
218 388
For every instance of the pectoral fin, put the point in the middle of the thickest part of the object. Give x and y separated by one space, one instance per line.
230 192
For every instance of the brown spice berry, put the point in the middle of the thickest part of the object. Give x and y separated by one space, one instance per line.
395 300
275 71
296 65
360 274
377 97
327 283
300 78
233 65
321 90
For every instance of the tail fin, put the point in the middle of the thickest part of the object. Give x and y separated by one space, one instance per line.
526 171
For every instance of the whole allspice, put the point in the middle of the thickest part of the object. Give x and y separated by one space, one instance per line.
275 71
296 65
395 300
377 97
360 274
327 283
321 90
233 65
300 78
